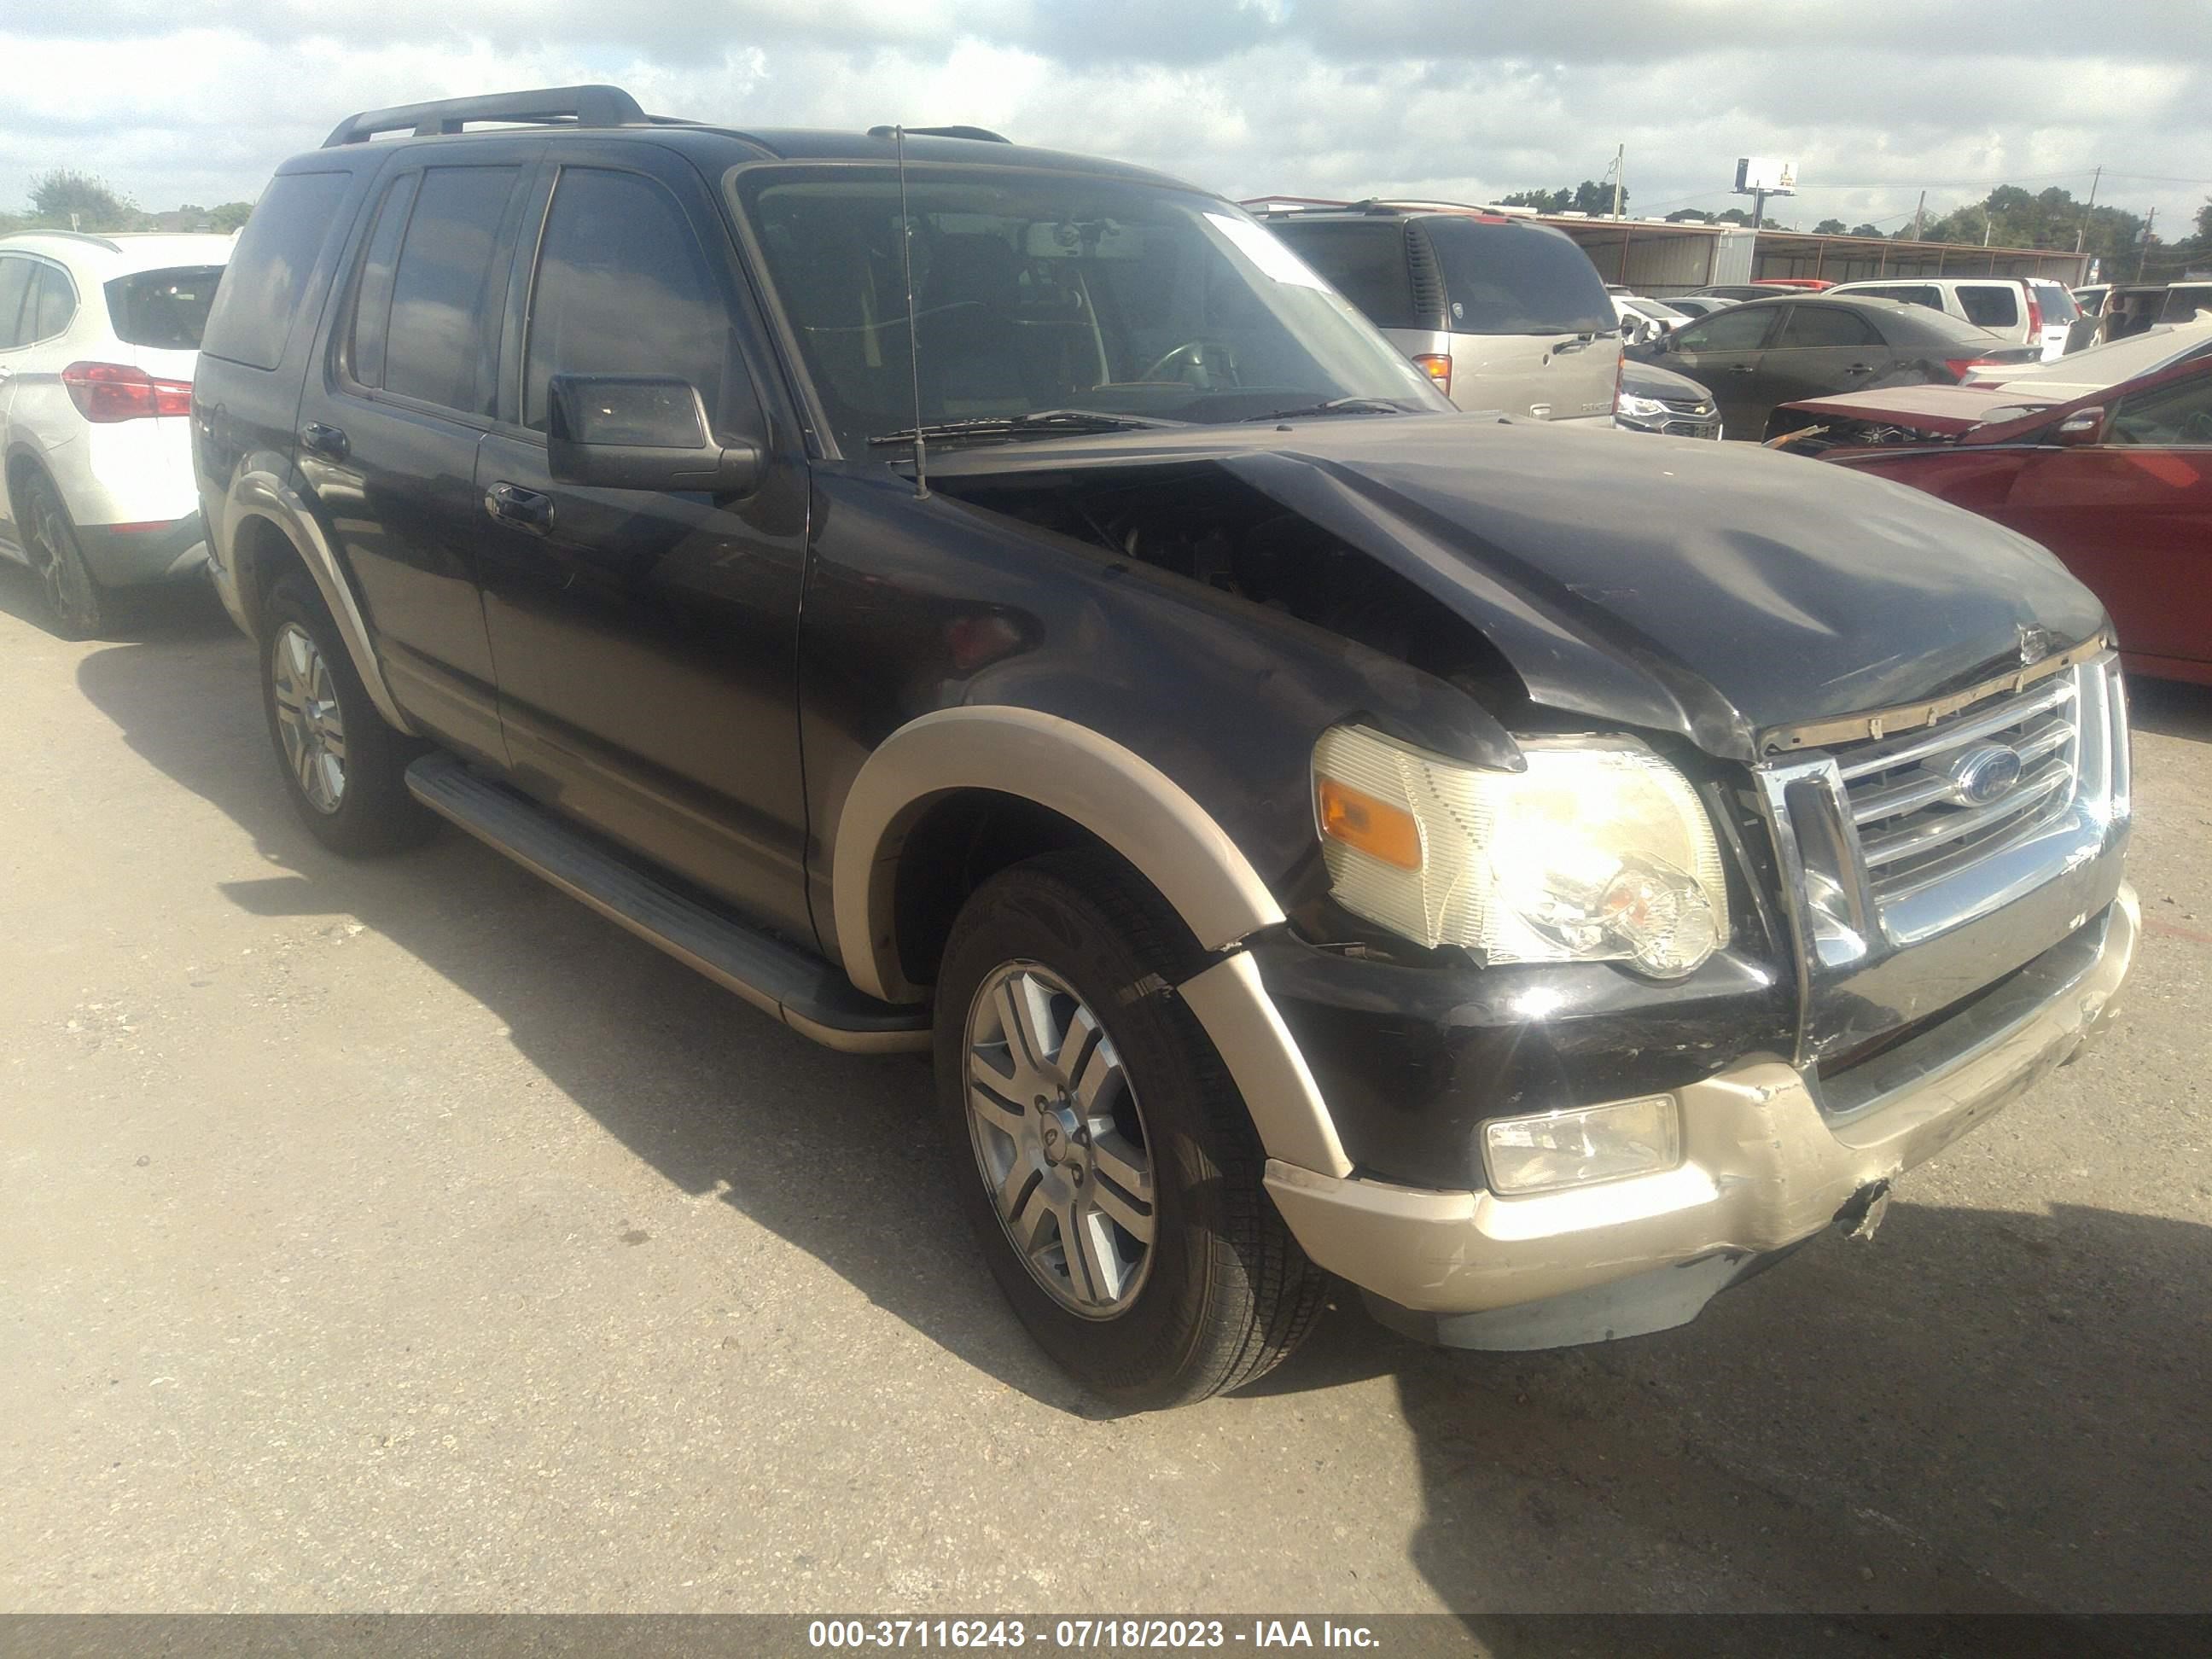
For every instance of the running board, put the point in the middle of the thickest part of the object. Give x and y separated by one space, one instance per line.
805 992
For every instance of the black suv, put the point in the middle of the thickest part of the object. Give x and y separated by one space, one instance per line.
1535 877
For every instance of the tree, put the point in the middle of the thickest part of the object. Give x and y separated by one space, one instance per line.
229 216
1866 230
1830 228
1544 201
1589 197
1689 216
1742 216
66 199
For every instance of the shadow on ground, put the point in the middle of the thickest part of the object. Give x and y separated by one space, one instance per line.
2022 1390
2171 709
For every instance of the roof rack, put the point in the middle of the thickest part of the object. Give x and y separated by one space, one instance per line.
582 106
983 135
109 243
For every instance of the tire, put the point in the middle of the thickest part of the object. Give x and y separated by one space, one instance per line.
344 767
1136 1106
75 599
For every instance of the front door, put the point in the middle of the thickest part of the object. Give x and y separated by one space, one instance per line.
390 423
1721 353
2132 516
648 642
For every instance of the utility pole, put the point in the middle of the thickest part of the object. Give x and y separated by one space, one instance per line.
2082 229
2145 259
1618 153
1918 215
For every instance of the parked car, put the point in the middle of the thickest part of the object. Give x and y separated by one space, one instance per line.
1312 831
1700 304
2089 299
1502 312
1765 352
1645 319
2081 372
2020 310
1654 400
2118 483
1765 288
97 339
2130 308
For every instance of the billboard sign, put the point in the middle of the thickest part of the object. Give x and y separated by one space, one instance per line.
1759 172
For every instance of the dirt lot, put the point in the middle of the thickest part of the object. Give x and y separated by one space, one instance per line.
400 1235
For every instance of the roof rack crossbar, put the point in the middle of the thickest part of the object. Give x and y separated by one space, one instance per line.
583 107
982 134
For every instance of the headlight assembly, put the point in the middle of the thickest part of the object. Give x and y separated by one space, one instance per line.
1599 852
1642 408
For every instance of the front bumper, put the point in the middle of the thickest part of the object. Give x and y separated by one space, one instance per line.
1768 1161
1672 425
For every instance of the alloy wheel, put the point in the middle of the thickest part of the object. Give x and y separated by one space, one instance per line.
308 718
1060 1140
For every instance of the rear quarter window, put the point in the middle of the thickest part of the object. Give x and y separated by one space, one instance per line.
1989 305
1518 279
164 309
2056 303
1365 263
266 284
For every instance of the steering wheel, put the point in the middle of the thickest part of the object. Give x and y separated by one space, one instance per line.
1204 371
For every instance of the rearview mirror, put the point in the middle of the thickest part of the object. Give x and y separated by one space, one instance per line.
2080 427
640 432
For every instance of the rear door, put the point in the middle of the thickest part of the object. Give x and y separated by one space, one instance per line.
2132 517
647 641
15 272
388 433
1820 349
1371 263
2000 308
1722 353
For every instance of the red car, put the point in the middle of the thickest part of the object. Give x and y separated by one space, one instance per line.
2118 484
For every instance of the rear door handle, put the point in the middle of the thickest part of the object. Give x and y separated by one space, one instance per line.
1860 368
526 509
1740 368
328 442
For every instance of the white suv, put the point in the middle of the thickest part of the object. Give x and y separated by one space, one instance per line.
2024 310
99 336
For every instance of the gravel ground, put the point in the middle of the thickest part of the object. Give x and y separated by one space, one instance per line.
400 1235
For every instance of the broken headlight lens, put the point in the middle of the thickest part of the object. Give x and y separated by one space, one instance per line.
1599 852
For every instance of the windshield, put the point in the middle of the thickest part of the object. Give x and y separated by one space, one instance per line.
1036 291
167 309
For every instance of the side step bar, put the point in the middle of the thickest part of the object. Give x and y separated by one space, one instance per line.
805 992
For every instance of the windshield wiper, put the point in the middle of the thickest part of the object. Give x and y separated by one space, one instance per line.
1043 422
1336 406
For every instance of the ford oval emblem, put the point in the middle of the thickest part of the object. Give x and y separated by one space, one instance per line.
1985 774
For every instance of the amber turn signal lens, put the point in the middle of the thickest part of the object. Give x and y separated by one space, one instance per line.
1357 819
1437 367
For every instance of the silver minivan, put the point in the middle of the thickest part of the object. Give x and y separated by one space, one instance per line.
1502 312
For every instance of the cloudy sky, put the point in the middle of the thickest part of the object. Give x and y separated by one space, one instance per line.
176 100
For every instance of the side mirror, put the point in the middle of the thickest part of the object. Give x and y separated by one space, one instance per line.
2081 428
1628 328
641 432
1661 341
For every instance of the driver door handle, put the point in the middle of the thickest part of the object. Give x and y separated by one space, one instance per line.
1860 368
328 442
525 509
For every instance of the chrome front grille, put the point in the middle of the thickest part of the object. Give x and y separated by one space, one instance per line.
1913 798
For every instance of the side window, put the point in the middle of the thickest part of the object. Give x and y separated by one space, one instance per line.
1826 325
1989 305
14 283
445 286
372 307
264 286
1737 329
1365 263
52 304
2176 416
623 287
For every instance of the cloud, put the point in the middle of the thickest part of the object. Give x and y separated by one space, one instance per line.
1464 98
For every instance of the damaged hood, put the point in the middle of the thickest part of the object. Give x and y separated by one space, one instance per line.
1715 590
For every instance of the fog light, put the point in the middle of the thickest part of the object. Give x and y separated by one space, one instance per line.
1597 1143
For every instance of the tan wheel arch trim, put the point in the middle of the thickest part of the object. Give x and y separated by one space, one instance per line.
1142 814
262 496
